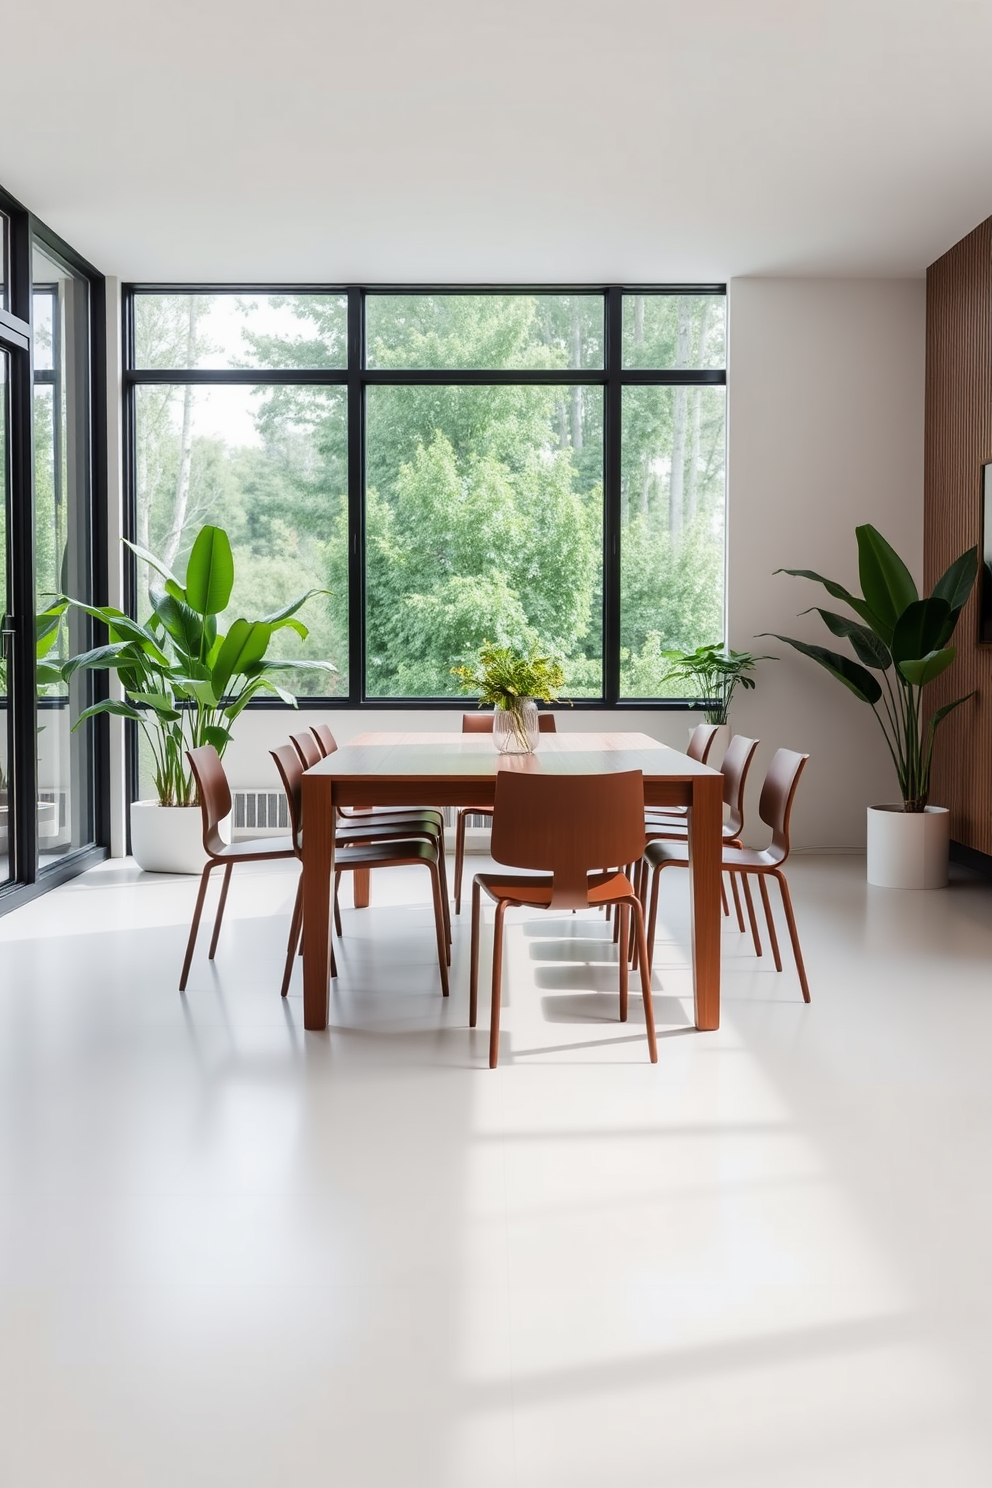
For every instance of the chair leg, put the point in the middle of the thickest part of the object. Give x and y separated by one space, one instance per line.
295 926
737 901
220 910
645 980
442 869
497 985
653 921
794 933
337 906
440 928
459 858
723 896
197 912
623 919
751 915
473 989
769 921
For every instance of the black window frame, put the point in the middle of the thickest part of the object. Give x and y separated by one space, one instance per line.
356 377
29 876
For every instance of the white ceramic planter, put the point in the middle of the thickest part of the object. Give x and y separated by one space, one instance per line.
169 839
908 849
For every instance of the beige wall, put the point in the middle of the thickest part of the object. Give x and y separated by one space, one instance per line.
826 431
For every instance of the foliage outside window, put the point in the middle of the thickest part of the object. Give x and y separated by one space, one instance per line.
487 505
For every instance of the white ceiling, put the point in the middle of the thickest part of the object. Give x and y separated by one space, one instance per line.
525 140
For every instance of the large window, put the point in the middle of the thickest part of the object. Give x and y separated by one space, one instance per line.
539 468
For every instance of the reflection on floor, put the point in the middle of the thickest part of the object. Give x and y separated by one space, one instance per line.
232 1253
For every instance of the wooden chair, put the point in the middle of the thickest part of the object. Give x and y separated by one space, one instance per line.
735 768
568 826
396 853
775 810
327 744
482 723
699 748
215 804
358 827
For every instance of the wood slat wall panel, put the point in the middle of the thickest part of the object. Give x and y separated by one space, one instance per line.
958 435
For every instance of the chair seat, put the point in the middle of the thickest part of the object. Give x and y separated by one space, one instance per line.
255 848
393 852
535 888
746 858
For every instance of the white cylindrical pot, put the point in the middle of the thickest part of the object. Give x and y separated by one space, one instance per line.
908 849
169 839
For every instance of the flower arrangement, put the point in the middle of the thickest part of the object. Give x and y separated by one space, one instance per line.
506 679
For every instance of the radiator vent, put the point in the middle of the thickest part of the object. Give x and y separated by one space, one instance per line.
259 812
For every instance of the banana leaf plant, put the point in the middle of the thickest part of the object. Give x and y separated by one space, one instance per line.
184 681
901 643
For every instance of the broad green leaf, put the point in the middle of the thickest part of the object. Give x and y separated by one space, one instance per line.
293 606
854 677
957 583
291 666
217 736
886 582
201 692
159 702
923 669
837 591
942 713
99 658
48 674
181 622
867 646
917 632
297 625
244 646
153 562
210 572
109 705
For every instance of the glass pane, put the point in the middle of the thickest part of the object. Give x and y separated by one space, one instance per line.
484 522
672 530
486 332
6 717
269 465
233 330
62 550
4 261
670 331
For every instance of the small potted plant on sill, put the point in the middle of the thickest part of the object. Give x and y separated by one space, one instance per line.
714 672
184 684
511 683
905 641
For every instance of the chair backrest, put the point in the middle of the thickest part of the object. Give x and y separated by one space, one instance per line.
777 796
701 741
568 825
307 748
290 768
735 767
482 723
326 741
214 793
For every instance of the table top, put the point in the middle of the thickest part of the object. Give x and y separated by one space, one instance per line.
440 756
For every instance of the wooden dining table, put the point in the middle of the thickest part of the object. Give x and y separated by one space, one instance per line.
449 769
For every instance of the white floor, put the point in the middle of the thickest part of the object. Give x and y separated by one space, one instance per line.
232 1253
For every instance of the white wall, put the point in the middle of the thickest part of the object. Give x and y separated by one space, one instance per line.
826 431
826 383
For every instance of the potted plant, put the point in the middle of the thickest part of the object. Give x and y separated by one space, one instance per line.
902 643
715 672
185 682
511 682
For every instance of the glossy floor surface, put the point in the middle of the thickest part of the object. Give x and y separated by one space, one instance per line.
232 1253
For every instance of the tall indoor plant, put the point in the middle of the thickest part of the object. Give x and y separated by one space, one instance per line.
902 644
510 682
184 681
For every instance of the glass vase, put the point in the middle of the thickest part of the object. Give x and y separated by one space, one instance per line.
516 729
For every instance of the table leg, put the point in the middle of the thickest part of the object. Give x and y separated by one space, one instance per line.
705 859
362 887
318 874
